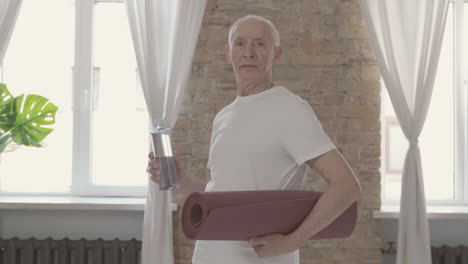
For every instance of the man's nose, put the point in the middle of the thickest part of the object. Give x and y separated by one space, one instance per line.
249 52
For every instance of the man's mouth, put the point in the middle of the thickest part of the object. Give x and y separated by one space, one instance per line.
249 66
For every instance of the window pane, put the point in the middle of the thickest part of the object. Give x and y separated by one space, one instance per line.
437 137
120 130
39 60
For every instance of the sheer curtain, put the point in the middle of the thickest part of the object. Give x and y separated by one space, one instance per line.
165 34
407 38
9 10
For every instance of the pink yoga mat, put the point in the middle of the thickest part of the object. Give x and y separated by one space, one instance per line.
240 215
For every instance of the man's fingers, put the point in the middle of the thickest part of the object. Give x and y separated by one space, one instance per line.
256 241
154 172
153 164
153 168
154 179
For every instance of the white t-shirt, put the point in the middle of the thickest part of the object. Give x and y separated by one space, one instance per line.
260 142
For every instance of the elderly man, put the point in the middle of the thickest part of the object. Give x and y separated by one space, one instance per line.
266 139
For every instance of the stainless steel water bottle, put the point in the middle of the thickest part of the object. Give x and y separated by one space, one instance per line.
164 156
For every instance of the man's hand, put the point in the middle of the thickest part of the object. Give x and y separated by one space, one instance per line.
274 245
186 184
153 168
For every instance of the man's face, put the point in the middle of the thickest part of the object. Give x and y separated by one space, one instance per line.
253 51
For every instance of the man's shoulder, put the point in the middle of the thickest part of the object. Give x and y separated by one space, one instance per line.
223 111
285 93
293 105
289 98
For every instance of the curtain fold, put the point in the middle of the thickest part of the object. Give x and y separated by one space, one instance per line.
164 33
9 10
407 37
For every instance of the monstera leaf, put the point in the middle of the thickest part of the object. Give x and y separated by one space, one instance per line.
24 119
5 95
7 110
33 113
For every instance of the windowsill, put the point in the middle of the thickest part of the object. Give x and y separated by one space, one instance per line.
433 212
74 203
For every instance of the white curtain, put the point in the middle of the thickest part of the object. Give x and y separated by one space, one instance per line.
407 37
165 34
9 10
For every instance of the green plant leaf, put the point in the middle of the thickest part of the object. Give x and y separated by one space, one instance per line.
5 95
7 116
7 110
34 112
4 141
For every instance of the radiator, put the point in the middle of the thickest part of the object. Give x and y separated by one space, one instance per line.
449 255
65 251
439 255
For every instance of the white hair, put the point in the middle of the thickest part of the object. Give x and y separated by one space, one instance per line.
274 31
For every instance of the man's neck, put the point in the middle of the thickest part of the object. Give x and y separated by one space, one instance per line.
246 88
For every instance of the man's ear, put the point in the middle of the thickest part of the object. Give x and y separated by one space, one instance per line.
226 53
278 52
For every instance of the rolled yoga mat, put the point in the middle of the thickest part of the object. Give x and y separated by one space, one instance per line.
240 215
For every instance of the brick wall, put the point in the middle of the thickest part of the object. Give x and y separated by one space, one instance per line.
328 61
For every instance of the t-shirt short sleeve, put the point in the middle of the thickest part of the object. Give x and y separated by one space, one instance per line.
302 134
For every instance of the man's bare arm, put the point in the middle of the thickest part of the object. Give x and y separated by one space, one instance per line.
343 190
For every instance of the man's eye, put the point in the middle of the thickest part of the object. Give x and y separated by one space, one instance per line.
239 43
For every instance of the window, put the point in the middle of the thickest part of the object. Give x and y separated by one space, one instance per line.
101 137
443 139
120 120
38 60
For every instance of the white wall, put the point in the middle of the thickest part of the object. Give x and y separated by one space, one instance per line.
59 224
